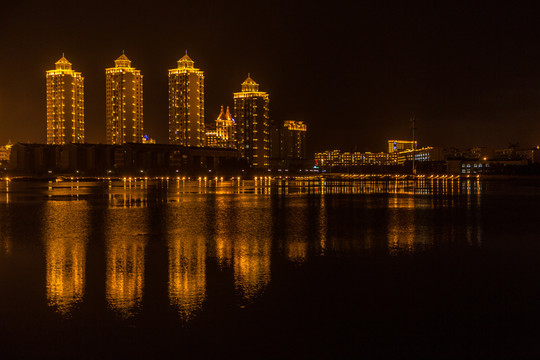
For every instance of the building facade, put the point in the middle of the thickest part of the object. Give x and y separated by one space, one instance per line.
222 133
186 104
294 140
252 124
337 158
65 104
124 104
400 145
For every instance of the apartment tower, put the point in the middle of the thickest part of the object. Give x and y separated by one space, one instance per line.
124 104
65 104
252 124
186 104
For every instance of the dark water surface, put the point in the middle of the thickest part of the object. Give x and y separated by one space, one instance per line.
266 269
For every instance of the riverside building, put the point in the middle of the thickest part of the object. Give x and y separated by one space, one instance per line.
186 104
222 134
65 104
294 140
252 124
124 103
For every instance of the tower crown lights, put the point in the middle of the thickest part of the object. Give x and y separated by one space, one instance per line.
249 85
122 62
185 62
63 64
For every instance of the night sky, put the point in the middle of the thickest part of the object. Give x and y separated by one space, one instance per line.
470 74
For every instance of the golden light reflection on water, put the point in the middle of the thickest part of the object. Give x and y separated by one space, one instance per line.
125 249
323 225
401 231
236 222
187 256
187 274
296 223
5 233
65 236
225 231
252 248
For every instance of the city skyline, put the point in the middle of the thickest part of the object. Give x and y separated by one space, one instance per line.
475 84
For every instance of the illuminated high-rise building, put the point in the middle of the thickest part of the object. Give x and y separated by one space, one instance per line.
252 123
186 104
222 133
65 104
124 106
294 140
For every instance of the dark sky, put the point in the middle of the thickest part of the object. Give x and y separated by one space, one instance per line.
470 74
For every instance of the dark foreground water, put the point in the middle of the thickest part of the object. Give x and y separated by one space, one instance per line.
305 269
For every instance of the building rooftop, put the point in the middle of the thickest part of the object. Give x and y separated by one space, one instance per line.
249 84
185 62
63 64
122 61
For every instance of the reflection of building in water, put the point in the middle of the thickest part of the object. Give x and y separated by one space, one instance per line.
225 231
125 260
401 225
5 244
296 245
323 225
187 223
5 232
187 273
251 265
252 248
65 235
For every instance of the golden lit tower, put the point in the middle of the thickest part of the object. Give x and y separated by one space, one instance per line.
251 115
294 140
124 113
186 104
222 135
65 104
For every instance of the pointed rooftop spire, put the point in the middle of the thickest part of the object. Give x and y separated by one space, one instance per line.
249 84
185 62
221 115
63 63
122 61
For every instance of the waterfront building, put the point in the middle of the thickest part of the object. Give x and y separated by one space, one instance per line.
252 123
337 158
294 140
186 104
427 153
222 133
65 104
400 145
124 103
